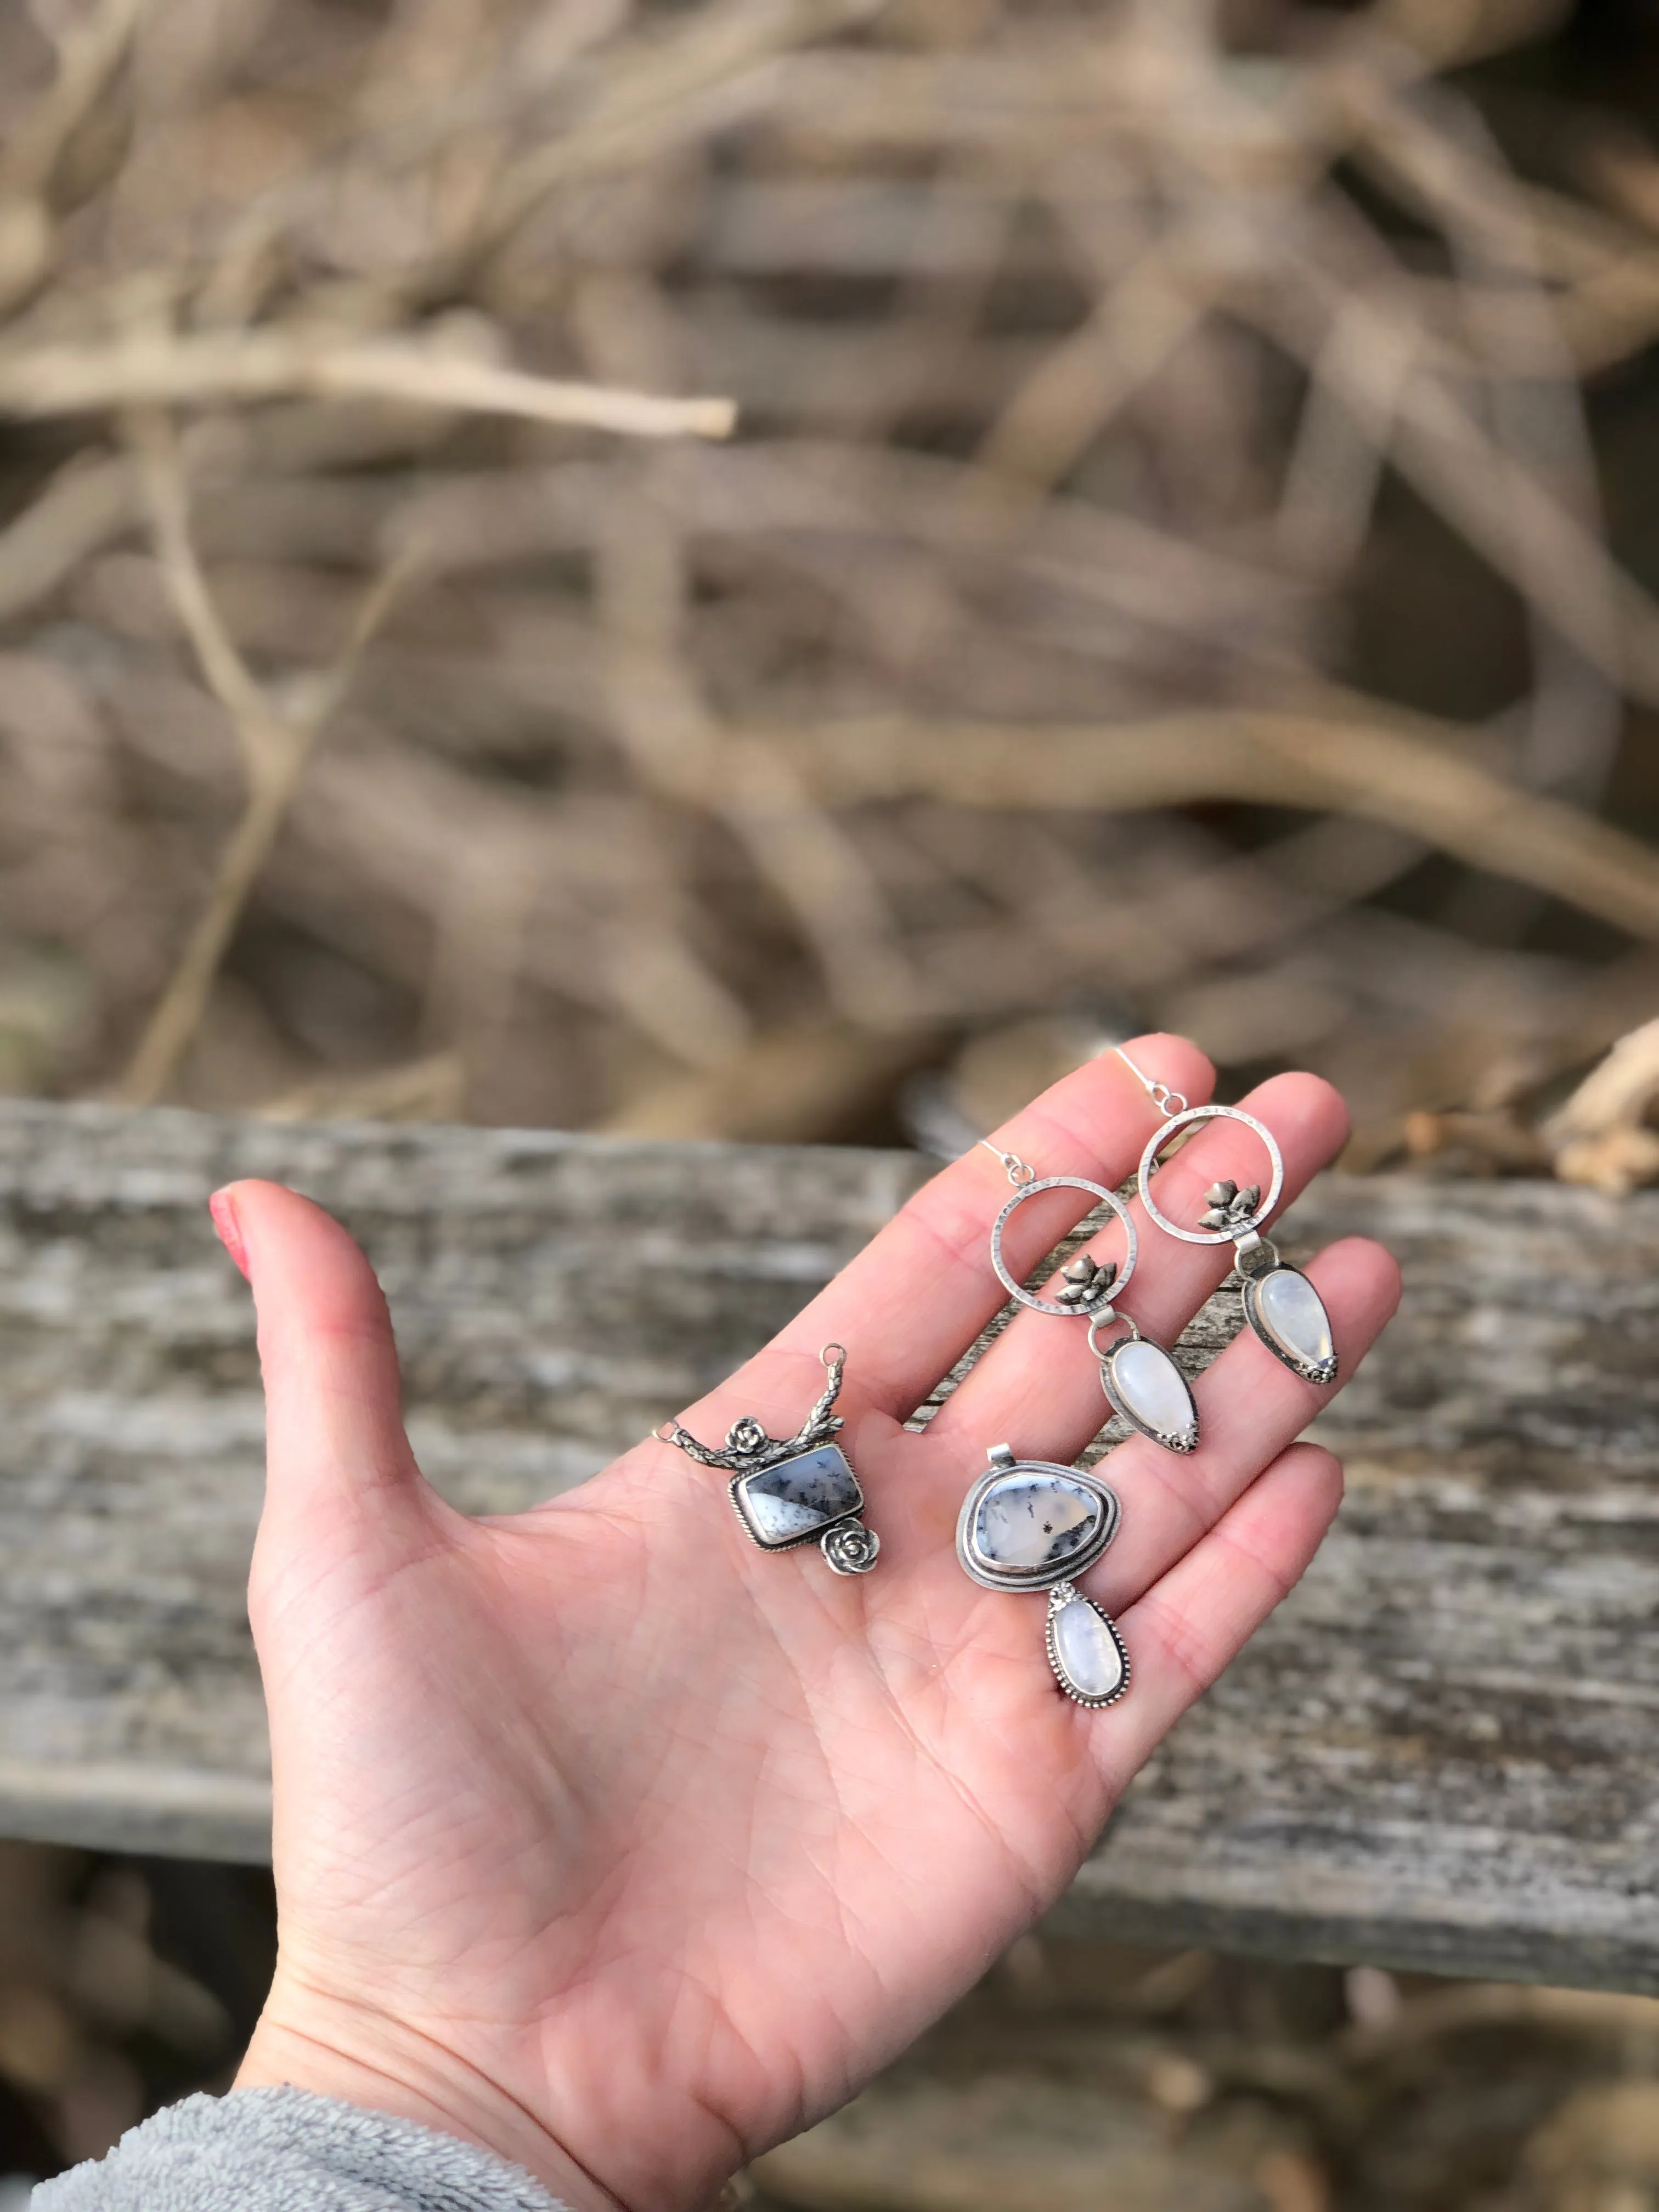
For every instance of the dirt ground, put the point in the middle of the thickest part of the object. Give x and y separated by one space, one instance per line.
1079 2077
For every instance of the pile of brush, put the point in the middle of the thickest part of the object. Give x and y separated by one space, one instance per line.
779 568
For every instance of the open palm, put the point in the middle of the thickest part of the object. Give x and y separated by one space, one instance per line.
624 1849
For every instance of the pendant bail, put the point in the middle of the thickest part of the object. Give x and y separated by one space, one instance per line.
1255 1253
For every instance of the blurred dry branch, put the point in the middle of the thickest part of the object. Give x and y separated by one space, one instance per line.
275 749
211 369
1389 775
1601 1135
1165 574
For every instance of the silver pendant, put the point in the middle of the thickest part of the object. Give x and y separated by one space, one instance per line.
1032 1525
795 1490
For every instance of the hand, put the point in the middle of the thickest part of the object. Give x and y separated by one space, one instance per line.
614 1845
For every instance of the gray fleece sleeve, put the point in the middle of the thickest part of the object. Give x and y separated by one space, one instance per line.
285 2150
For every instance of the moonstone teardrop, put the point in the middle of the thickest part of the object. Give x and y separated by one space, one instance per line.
1290 1313
1147 1385
1088 1659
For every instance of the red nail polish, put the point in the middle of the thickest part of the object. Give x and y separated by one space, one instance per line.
223 1210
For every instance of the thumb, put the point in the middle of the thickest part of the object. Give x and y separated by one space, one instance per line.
334 1431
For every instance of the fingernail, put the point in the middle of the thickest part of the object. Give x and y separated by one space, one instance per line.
223 1207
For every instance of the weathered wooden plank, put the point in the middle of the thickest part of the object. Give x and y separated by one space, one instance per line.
1438 1754
130 1420
1441 1753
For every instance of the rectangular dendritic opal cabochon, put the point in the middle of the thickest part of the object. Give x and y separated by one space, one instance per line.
798 1499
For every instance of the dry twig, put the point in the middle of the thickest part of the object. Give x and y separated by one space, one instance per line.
275 749
152 370
1400 772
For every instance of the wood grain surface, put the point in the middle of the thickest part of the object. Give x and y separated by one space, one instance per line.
1442 1752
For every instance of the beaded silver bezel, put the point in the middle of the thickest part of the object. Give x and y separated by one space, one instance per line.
1060 1596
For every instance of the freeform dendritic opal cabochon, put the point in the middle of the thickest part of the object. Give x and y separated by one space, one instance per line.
1027 1524
1031 1522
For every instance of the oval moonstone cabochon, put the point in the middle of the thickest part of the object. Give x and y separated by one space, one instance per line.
1289 1315
1144 1384
1085 1649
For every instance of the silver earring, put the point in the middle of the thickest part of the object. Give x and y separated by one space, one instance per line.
1138 1376
1280 1304
1028 1524
795 1490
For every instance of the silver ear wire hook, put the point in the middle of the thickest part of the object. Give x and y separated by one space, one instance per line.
1018 1171
1168 1101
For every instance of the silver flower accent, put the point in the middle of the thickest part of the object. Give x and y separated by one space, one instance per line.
1087 1282
745 1435
851 1548
1230 1207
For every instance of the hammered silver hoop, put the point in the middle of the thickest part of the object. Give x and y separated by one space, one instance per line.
1098 1191
1161 1137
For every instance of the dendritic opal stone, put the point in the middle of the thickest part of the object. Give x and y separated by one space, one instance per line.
1028 1523
1290 1316
1090 1662
1149 1389
799 1497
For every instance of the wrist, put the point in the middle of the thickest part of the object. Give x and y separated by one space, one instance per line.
366 2058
